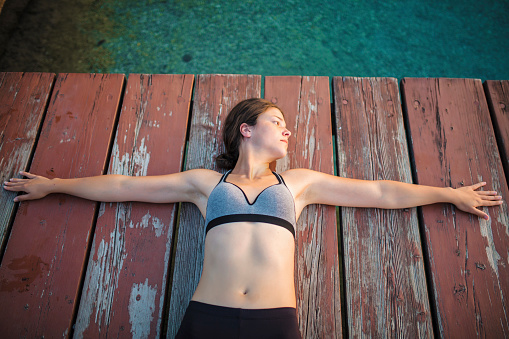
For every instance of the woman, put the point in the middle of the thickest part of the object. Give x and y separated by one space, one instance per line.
247 284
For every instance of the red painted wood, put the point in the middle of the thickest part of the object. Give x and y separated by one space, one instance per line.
305 102
497 94
454 145
215 96
43 263
386 294
23 98
126 279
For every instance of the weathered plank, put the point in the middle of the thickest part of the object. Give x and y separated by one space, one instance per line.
386 294
305 102
454 145
126 279
23 98
215 96
497 94
44 259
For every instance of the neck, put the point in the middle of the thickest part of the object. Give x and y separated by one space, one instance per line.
250 168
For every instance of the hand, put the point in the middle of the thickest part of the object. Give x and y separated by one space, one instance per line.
35 186
467 199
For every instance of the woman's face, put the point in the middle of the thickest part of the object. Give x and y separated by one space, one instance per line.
270 133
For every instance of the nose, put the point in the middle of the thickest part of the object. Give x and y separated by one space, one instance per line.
287 133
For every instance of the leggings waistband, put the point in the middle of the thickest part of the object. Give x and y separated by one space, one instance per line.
245 313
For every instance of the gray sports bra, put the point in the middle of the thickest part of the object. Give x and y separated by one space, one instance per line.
228 203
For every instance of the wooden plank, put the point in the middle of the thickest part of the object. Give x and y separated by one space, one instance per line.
497 94
454 145
386 292
43 263
126 279
305 102
215 96
23 99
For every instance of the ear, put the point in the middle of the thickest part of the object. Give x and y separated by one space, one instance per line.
245 130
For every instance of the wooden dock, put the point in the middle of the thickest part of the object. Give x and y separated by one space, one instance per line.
72 267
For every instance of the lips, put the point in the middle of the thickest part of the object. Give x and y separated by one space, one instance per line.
285 141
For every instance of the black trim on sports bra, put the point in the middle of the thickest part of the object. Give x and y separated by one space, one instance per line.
280 177
250 218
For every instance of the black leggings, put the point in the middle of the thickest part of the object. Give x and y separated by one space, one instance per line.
210 321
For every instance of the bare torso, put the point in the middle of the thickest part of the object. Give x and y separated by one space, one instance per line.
247 265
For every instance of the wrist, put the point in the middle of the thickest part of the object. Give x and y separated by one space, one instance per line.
450 195
53 185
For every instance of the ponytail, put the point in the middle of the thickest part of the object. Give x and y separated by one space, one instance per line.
227 161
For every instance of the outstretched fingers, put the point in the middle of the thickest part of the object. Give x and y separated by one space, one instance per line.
487 192
479 213
471 199
20 180
13 186
23 197
19 185
478 185
28 174
492 202
15 181
488 198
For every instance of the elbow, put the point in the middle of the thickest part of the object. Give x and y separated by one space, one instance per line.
385 197
119 188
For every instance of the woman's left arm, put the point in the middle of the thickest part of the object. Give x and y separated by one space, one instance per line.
320 188
466 198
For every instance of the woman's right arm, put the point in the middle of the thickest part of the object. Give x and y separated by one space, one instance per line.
188 186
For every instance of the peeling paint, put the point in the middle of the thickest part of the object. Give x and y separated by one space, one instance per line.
153 123
135 164
311 147
141 308
141 158
101 282
102 208
491 252
312 108
167 259
157 224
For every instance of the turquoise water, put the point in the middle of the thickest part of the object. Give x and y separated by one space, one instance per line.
467 39
398 38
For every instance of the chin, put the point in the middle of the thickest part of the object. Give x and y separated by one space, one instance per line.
282 155
278 153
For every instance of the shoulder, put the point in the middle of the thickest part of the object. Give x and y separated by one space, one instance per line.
298 180
194 181
300 175
192 186
201 172
308 184
199 182
201 177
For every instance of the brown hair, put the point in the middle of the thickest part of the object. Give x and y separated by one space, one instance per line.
246 111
